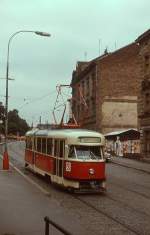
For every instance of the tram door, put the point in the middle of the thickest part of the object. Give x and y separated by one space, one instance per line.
33 148
30 146
59 157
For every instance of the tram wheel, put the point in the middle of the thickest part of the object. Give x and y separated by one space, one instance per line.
26 165
48 178
70 190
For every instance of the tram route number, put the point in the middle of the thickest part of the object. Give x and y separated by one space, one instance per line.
68 166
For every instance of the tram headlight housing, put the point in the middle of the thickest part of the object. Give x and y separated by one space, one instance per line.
91 171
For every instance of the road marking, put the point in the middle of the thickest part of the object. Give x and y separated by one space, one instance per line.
27 178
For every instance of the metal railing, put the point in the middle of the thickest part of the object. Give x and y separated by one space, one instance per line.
58 227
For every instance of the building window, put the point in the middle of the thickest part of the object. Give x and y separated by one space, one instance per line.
78 111
93 106
73 91
79 93
87 86
93 87
147 141
147 98
147 102
88 107
83 88
146 62
74 107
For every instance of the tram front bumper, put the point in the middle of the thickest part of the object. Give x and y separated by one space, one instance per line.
93 185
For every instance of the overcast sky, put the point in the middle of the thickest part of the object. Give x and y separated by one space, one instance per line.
79 29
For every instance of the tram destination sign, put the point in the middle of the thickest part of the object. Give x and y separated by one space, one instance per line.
90 139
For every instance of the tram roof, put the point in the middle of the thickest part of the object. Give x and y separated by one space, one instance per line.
64 133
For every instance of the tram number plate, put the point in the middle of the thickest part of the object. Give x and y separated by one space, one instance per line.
68 166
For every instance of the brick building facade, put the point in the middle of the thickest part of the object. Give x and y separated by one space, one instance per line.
105 90
144 98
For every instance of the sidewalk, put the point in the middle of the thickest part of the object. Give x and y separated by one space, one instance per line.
23 208
130 163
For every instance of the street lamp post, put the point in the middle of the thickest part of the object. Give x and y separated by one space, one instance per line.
5 155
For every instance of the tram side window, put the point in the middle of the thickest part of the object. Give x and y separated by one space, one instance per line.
62 150
71 152
49 146
39 144
43 145
34 144
29 143
59 148
56 148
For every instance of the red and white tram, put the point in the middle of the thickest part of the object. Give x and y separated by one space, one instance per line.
72 158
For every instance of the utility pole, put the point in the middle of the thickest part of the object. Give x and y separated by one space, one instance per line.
40 120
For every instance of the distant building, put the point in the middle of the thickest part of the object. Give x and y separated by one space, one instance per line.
144 98
105 90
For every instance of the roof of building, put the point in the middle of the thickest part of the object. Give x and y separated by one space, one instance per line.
130 133
143 36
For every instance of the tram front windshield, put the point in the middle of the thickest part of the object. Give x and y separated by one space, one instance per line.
85 152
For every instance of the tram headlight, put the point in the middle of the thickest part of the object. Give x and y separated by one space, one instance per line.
91 171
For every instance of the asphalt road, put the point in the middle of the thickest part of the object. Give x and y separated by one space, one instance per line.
124 209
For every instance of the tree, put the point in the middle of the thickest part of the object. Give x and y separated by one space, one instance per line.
16 125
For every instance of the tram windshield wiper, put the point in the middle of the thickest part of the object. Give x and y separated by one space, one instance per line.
88 152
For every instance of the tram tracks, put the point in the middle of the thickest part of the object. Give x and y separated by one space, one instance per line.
131 167
125 205
132 190
98 210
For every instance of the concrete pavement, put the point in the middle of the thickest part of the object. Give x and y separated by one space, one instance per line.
23 207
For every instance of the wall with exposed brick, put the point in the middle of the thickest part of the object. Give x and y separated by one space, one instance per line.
110 82
119 113
119 76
